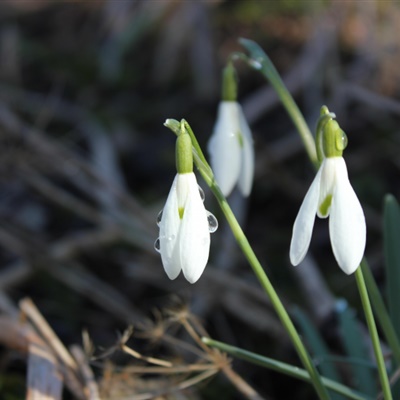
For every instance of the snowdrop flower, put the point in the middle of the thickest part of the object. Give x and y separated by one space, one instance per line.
331 194
231 144
185 225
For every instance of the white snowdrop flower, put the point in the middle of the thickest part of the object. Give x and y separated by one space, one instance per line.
231 149
231 144
331 194
185 225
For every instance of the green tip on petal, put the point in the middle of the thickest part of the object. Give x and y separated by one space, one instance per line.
325 206
184 155
240 139
229 83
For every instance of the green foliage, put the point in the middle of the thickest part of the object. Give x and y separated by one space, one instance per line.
391 236
364 377
391 231
318 347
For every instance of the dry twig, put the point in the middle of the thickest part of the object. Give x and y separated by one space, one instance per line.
67 363
91 389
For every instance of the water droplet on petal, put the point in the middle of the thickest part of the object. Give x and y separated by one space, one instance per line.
344 140
212 222
159 217
157 245
171 238
201 191
341 140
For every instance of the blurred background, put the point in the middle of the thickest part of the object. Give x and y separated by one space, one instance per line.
86 165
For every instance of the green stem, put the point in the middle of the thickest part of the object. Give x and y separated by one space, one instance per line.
283 368
268 287
261 62
381 312
248 252
374 334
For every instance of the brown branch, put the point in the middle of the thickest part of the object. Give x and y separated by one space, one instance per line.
69 366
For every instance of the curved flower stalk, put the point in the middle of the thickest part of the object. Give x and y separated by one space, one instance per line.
248 252
185 225
231 144
331 194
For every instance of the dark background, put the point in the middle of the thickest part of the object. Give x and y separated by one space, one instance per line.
86 164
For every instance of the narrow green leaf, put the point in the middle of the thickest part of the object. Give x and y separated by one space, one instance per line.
261 62
284 368
317 347
381 312
391 237
364 378
391 240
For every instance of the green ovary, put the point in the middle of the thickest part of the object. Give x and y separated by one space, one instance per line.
325 205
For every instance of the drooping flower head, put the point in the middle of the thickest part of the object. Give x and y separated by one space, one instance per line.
231 145
185 225
331 194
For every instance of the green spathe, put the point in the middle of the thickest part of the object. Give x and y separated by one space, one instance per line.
184 155
229 84
331 139
334 140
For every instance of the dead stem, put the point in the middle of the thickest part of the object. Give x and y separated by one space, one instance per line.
150 360
180 386
29 308
156 331
91 389
221 361
197 325
186 346
241 384
191 331
174 369
52 344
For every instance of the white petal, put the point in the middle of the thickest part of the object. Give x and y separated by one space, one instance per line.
347 223
194 238
304 223
224 148
169 234
247 166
